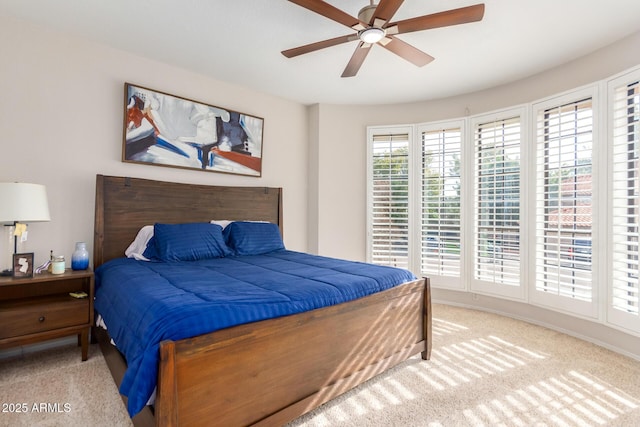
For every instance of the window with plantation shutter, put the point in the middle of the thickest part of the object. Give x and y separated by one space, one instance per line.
440 247
564 209
625 196
496 196
389 199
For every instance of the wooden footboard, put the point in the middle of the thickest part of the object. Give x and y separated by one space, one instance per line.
270 372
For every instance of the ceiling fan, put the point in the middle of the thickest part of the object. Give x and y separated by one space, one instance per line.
373 26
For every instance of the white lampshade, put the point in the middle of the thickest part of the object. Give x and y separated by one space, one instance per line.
21 202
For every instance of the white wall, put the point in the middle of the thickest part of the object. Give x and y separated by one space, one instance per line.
61 114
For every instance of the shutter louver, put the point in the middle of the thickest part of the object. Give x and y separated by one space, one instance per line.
390 200
440 213
497 202
564 200
626 198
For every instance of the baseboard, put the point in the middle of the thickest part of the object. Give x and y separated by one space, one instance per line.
34 348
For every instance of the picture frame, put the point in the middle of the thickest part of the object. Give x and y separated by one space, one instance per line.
161 129
23 265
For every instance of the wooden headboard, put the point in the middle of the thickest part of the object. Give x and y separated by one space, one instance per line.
124 205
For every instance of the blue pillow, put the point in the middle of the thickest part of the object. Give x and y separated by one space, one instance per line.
253 238
189 241
150 251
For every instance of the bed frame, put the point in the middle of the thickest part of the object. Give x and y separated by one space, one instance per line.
264 373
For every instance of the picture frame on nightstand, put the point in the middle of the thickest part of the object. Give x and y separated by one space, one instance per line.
23 265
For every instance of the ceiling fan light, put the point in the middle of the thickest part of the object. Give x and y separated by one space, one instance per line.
371 35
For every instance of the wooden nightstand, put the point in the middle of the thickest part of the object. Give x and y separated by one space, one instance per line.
40 308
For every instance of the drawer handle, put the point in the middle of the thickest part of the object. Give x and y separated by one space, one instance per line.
41 319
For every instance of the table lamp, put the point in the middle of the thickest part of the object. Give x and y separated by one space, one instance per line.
22 203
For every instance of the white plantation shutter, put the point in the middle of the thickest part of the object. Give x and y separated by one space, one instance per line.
563 220
389 200
440 213
626 205
497 190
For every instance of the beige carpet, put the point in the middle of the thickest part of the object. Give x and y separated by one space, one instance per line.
486 370
55 388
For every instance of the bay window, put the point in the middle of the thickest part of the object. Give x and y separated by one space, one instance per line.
538 204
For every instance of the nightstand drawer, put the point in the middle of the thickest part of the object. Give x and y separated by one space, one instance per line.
42 314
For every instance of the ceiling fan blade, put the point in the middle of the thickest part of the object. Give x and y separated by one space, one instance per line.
356 60
312 47
442 19
408 52
386 9
325 9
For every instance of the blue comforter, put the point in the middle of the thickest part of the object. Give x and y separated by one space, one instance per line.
144 303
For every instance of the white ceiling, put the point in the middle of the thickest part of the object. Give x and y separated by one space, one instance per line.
240 42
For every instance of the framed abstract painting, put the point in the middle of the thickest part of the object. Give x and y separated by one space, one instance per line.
167 130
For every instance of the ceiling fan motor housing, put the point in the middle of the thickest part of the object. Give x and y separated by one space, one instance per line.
366 13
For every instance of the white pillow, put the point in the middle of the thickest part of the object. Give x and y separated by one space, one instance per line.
221 222
139 244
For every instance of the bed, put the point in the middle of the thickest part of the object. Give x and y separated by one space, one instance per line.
265 372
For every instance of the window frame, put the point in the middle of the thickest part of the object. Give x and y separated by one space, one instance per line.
518 293
371 133
627 322
441 281
585 309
